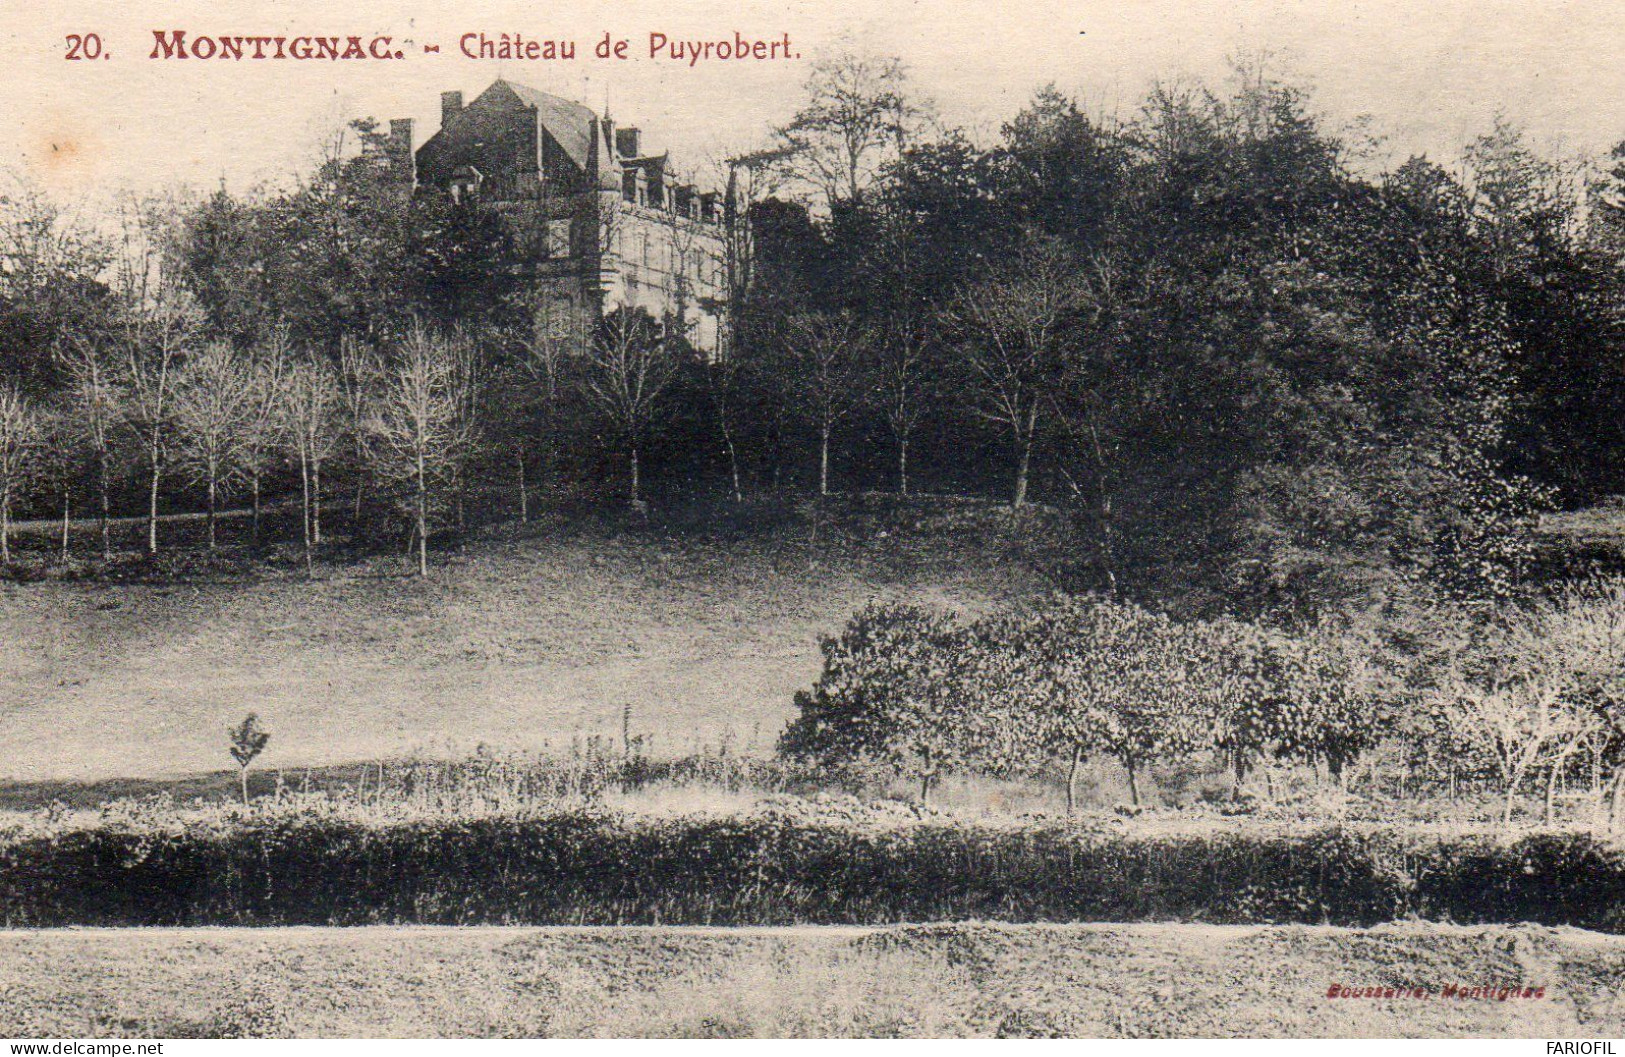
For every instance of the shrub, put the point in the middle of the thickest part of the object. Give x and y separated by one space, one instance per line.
890 689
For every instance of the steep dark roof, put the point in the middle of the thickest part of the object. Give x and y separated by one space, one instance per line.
569 123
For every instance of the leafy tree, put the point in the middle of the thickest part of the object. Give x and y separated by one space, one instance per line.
791 272
21 433
1311 696
459 260
1058 173
888 691
341 239
52 287
234 265
929 225
1113 679
248 740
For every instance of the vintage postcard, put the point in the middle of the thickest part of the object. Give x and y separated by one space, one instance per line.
723 518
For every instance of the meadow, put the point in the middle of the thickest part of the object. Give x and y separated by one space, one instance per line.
526 638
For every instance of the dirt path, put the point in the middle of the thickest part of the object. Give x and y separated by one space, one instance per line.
47 525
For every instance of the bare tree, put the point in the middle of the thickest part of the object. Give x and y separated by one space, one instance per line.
20 438
859 115
469 387
1011 326
552 331
361 375
261 440
61 462
92 412
1083 404
1509 699
685 255
1584 632
906 335
213 407
627 368
418 425
157 320
551 327
723 374
902 376
312 421
826 367
749 177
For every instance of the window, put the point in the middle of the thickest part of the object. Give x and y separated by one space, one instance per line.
558 238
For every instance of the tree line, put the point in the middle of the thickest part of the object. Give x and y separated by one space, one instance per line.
1518 700
1260 373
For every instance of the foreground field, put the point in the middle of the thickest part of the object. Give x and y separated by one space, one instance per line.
938 980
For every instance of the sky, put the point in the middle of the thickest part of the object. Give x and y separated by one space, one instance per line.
1431 74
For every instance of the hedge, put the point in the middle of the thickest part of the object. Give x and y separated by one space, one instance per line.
586 868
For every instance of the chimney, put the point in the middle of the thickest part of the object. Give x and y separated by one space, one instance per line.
627 142
398 150
451 104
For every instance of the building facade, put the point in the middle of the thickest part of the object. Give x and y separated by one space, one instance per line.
599 223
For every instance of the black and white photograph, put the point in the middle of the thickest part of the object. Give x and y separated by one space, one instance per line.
736 519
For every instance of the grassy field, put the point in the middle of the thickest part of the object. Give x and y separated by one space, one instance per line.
938 980
525 639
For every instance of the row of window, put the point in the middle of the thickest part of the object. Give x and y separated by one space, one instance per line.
682 200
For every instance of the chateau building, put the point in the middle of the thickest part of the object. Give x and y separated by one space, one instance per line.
600 224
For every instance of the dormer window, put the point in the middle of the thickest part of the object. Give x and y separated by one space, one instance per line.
683 200
465 184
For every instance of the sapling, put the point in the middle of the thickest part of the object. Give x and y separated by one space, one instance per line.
248 740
